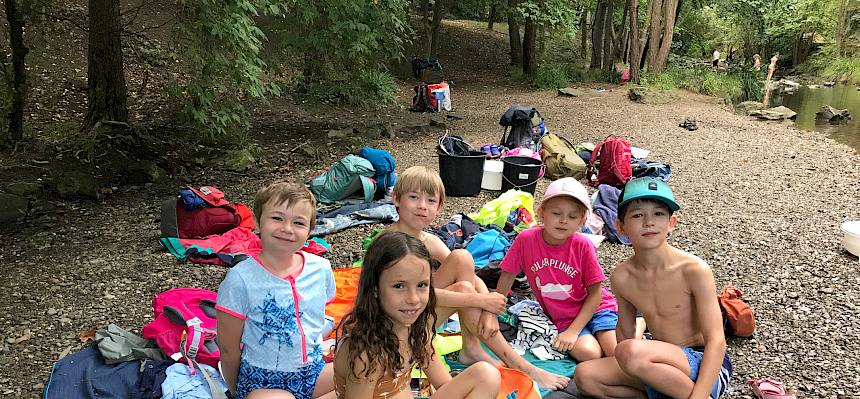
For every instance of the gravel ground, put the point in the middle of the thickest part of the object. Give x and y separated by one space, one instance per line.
761 203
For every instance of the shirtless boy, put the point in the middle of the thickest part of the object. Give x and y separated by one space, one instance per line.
675 292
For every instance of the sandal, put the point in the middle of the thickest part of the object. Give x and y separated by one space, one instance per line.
768 388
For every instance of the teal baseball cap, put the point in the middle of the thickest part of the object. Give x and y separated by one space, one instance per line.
648 187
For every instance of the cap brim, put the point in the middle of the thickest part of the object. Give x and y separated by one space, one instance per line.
580 200
671 204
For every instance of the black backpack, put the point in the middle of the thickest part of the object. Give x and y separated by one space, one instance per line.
424 100
427 70
522 122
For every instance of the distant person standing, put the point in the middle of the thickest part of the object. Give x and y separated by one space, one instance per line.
757 62
715 59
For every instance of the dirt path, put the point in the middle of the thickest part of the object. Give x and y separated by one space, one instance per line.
761 203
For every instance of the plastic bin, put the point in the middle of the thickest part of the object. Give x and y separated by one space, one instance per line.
521 173
461 174
492 179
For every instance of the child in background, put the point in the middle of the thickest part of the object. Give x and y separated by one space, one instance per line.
562 269
675 292
271 307
419 195
391 327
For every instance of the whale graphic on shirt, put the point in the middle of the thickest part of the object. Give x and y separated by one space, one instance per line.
554 290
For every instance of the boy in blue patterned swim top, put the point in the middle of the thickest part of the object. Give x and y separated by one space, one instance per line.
271 307
675 292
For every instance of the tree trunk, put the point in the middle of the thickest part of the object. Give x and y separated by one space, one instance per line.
426 28
597 35
621 40
529 47
492 19
105 76
635 53
583 29
608 36
666 45
19 73
514 34
843 28
655 26
438 13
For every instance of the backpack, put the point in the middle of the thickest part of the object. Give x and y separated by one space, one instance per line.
610 163
523 122
424 99
738 317
427 70
184 325
560 158
383 163
351 174
204 219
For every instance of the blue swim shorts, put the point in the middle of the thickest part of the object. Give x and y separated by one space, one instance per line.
300 383
602 320
694 358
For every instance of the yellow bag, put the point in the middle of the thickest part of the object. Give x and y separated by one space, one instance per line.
499 210
560 158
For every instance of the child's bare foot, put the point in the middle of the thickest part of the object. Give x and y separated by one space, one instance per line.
547 380
471 354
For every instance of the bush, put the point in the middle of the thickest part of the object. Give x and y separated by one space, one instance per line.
827 65
550 77
738 85
585 74
368 89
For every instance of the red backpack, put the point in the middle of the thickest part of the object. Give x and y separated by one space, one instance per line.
610 163
184 325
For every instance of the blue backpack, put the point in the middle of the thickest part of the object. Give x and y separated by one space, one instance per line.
383 164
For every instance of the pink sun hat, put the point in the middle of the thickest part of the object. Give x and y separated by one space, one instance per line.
569 187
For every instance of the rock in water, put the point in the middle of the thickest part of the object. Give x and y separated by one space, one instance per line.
774 114
832 115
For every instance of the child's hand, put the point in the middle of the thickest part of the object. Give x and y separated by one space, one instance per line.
494 302
488 325
564 342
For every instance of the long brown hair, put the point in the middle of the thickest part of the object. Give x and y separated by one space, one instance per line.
368 329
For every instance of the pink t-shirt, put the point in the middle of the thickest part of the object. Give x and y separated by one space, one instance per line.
558 275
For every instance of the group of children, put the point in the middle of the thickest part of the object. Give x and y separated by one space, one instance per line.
271 307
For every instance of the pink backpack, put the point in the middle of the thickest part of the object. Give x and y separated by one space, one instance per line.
610 163
184 326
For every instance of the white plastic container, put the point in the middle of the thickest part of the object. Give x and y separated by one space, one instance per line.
851 237
492 179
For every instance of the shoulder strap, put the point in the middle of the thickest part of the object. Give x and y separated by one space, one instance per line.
214 388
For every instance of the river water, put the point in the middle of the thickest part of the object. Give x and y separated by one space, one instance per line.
807 101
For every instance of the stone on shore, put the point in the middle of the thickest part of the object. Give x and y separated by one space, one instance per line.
832 115
14 208
748 106
569 92
774 114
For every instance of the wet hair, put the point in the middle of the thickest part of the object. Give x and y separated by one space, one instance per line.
622 210
420 179
368 329
284 191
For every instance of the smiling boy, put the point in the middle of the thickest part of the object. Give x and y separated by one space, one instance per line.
675 292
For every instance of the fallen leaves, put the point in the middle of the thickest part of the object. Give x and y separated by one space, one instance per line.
88 334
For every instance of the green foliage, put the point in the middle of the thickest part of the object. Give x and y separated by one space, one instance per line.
222 44
550 77
736 86
827 65
368 89
338 40
588 75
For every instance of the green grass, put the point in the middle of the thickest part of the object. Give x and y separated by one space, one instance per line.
734 86
828 66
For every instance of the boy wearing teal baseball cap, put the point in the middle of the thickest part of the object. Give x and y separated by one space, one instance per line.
675 292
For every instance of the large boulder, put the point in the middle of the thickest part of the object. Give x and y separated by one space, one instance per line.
639 94
239 160
832 115
25 189
145 172
748 106
774 114
14 208
569 92
75 184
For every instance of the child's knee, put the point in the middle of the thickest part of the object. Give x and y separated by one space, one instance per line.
585 377
586 352
487 374
630 353
462 286
461 256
